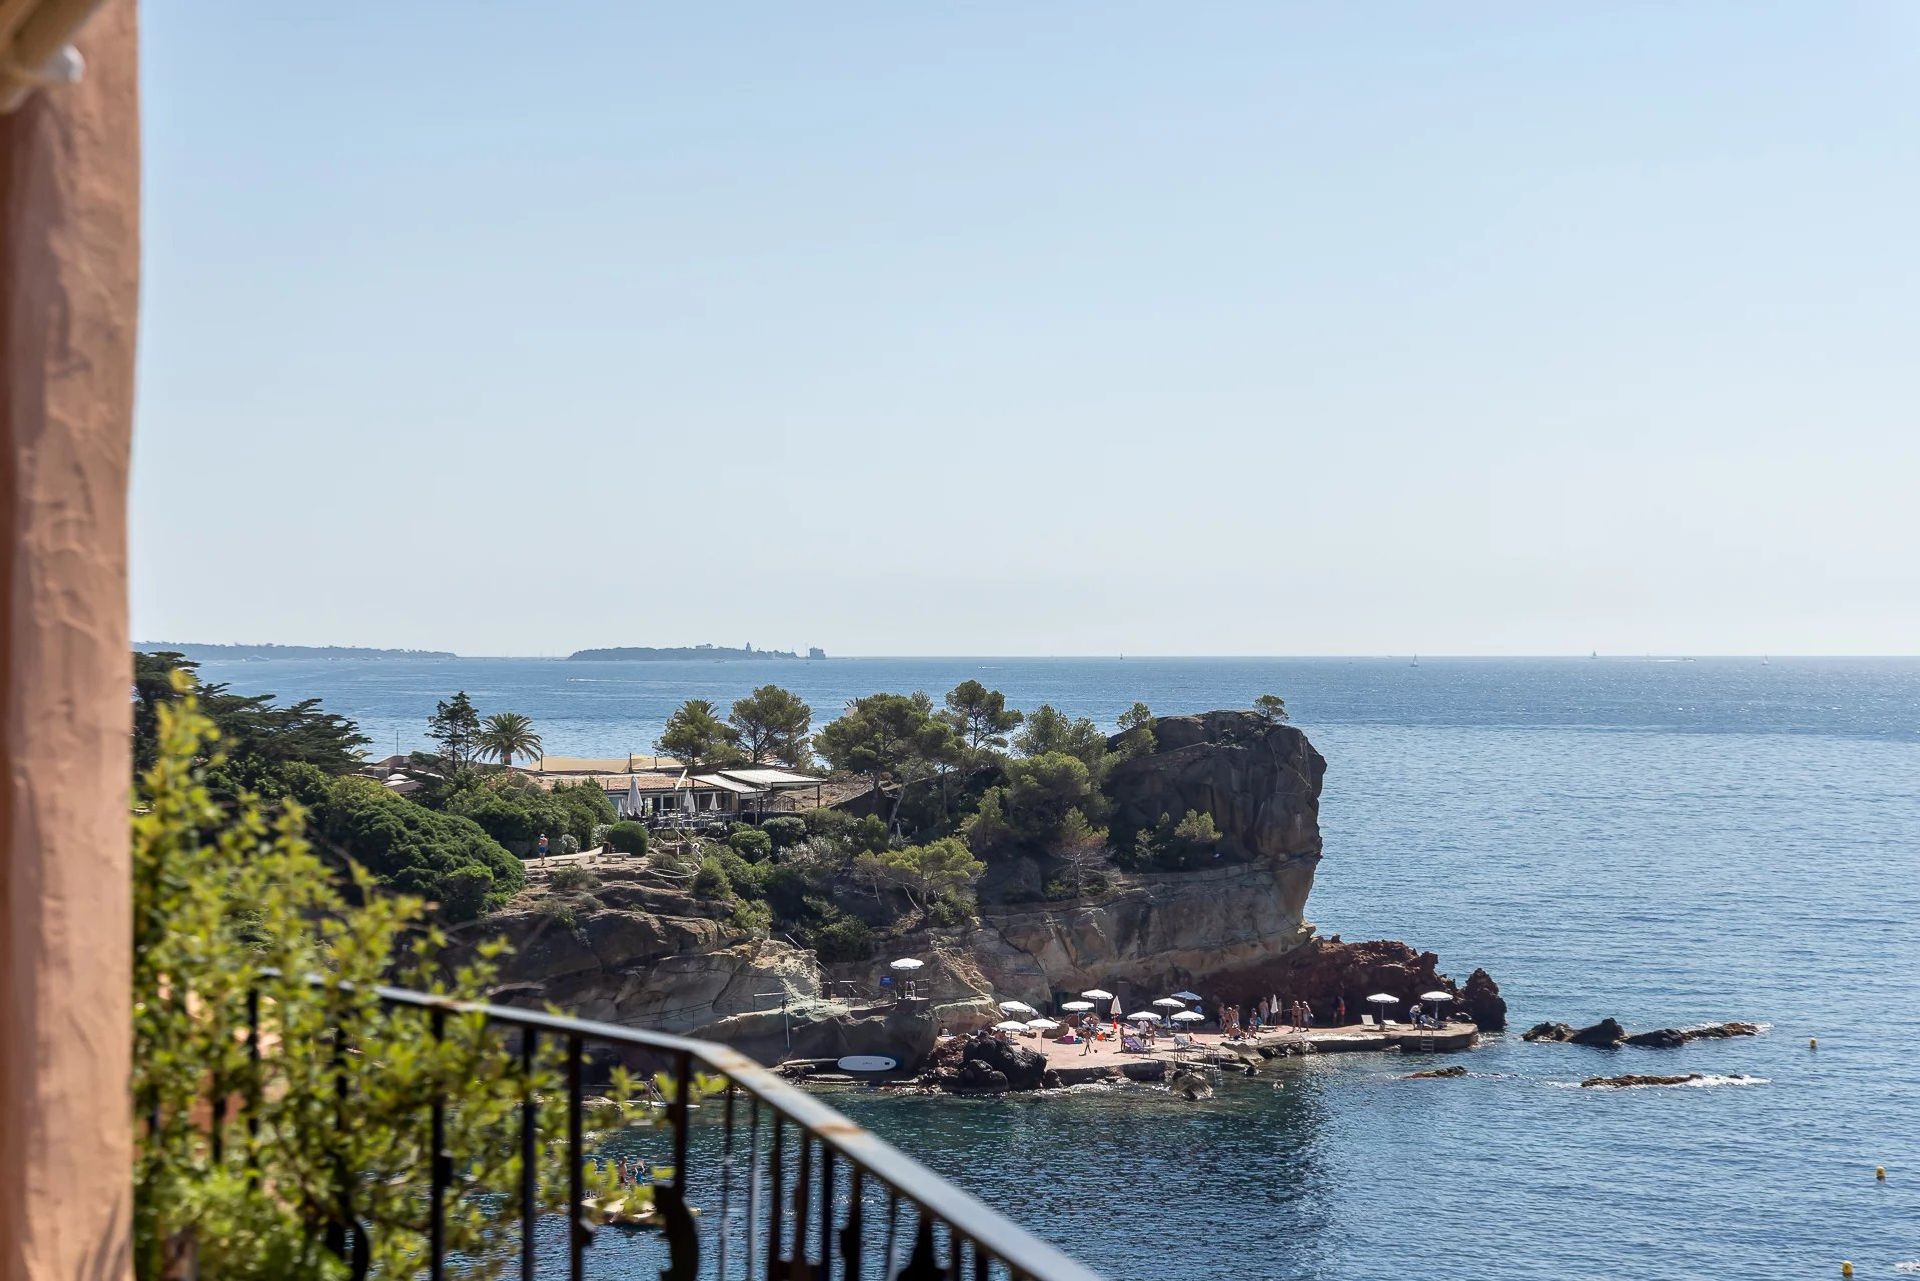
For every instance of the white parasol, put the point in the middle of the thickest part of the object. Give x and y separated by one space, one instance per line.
1097 994
1188 1016
1042 1025
1169 1003
1381 998
1436 996
1077 1007
1016 1007
905 963
1145 1016
1188 996
1009 1026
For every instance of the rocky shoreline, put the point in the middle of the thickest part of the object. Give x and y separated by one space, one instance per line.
637 948
1608 1034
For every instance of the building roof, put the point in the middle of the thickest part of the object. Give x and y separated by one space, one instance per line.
763 777
600 764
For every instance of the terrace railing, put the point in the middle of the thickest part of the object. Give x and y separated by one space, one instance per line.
791 1189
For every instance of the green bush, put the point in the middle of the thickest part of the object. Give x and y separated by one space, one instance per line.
584 806
628 836
711 881
597 838
573 877
569 843
827 822
406 846
949 911
514 813
752 915
463 893
845 938
786 830
751 844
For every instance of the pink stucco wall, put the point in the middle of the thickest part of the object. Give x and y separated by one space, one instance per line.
69 277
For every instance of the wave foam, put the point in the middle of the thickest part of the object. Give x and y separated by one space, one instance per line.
1704 1081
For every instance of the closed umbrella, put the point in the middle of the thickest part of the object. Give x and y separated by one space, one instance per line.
634 802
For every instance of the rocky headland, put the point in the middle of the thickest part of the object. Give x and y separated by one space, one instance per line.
638 947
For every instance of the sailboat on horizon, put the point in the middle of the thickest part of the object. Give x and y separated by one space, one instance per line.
1415 662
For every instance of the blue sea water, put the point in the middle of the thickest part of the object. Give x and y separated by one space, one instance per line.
1666 842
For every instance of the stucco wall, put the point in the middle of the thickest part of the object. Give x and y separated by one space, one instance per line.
69 275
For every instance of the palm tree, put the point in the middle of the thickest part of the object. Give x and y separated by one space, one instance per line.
507 735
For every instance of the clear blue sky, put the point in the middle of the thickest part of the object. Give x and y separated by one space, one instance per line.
1037 329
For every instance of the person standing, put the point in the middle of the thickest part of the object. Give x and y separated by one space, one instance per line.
1340 1013
543 846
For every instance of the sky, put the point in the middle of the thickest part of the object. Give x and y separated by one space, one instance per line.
1031 329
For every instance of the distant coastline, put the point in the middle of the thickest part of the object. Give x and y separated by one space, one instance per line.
196 650
651 654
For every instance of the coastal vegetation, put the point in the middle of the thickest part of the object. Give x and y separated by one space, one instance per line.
659 654
312 1162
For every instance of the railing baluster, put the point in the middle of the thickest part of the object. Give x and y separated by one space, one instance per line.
801 1203
853 1246
683 1240
826 1212
440 1164
774 1206
726 1184
982 1264
529 1173
253 1073
893 1233
576 1176
752 1244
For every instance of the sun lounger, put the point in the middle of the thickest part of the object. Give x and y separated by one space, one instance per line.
1181 1041
1366 1020
1133 1044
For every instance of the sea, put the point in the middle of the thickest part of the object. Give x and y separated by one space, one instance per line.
1666 841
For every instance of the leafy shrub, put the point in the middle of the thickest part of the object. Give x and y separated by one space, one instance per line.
711 881
463 893
514 813
752 915
751 844
785 831
569 843
949 911
597 838
406 846
845 938
584 806
827 822
628 836
573 877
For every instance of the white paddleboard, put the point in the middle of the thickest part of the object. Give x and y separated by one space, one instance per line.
868 1063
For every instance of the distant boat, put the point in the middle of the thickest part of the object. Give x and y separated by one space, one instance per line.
1415 662
1765 661
1595 654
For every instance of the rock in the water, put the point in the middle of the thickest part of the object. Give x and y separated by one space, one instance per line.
1665 1038
1548 1032
1606 1034
990 1064
1191 1086
1434 1074
1481 1001
1621 1082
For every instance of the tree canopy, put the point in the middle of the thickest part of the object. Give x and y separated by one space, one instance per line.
1049 729
258 739
455 726
980 716
1272 708
505 735
695 735
771 724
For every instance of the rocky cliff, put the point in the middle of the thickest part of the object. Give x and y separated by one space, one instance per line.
640 950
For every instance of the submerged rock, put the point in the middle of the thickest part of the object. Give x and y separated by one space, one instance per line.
1190 1085
1621 1082
1434 1074
1548 1032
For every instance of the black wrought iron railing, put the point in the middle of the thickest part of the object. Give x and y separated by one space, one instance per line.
777 1186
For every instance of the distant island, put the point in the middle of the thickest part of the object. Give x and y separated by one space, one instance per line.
197 651
652 654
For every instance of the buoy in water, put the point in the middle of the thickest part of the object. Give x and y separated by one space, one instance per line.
1880 1173
1813 1043
1846 1269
